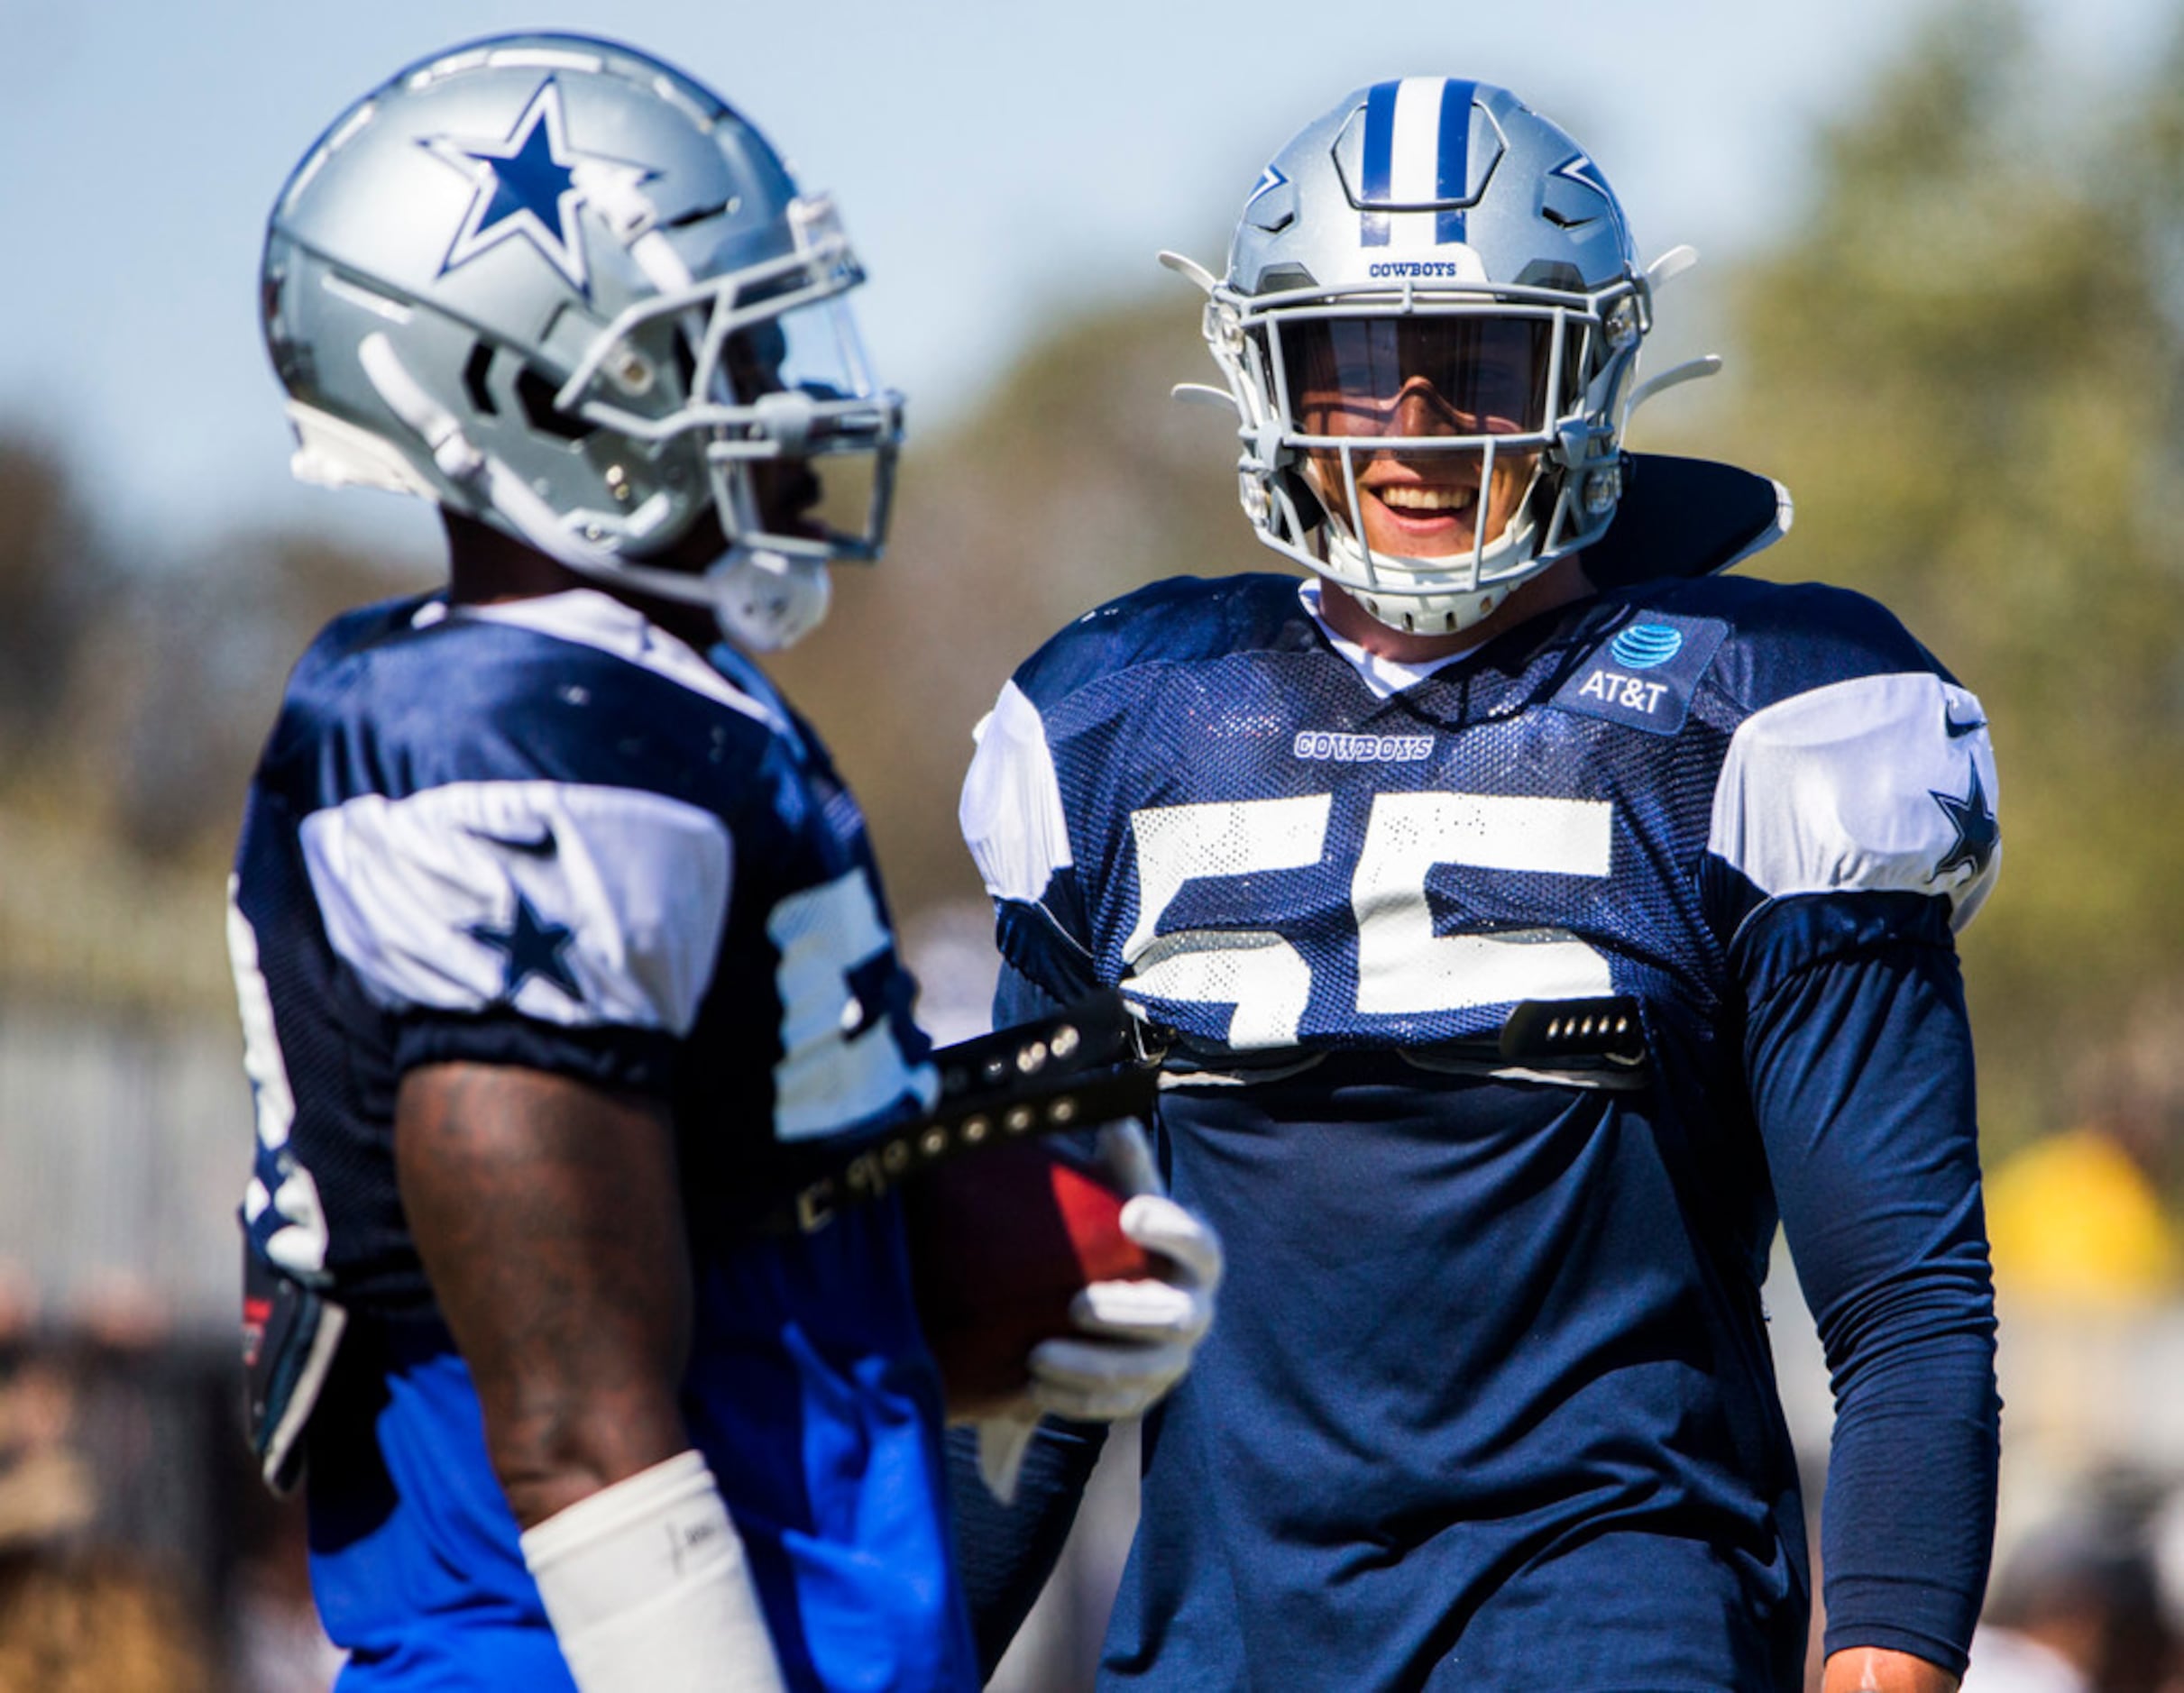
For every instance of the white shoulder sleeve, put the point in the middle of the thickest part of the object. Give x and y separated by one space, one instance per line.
574 904
1882 784
1011 814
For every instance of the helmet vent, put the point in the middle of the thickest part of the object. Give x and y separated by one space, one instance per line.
1280 278
1562 220
1552 273
474 367
699 214
535 394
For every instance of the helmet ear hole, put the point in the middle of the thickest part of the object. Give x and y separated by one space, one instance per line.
536 394
686 363
474 370
1311 513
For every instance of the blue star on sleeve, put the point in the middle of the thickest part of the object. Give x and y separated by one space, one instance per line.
532 947
1977 831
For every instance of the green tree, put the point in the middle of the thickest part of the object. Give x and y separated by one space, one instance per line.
56 580
131 705
1964 365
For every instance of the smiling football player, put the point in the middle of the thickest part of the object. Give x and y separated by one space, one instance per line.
1532 919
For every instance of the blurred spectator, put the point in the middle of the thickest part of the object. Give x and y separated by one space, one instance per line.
46 1494
137 1554
2077 1609
2080 1217
74 1620
2074 1219
121 1311
18 1303
94 1622
2005 1660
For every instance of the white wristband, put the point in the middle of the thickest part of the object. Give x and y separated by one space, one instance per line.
647 1589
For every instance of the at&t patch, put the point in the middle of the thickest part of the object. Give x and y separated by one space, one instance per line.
1645 674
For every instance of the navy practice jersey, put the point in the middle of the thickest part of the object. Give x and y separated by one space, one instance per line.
547 834
1489 1403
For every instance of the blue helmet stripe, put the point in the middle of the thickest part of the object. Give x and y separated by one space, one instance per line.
1454 178
1378 167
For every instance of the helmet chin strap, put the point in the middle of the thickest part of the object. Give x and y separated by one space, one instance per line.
761 598
1355 564
1434 611
768 601
1413 613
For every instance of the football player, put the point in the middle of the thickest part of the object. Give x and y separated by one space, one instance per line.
562 956
1532 919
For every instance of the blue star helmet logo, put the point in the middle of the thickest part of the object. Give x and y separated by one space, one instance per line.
1977 833
530 186
531 947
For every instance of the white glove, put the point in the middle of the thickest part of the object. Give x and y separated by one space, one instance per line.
1137 1336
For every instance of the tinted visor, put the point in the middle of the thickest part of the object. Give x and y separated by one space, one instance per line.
1475 374
812 349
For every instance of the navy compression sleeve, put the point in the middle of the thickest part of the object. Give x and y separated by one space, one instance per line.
1859 1058
1006 1552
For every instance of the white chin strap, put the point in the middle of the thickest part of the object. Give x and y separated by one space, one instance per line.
764 600
1383 582
1436 611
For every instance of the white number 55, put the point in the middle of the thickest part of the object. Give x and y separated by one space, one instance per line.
1403 967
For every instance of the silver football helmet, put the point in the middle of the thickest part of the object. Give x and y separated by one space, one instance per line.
554 284
1429 329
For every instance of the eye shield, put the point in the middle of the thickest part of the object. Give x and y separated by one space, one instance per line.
1477 373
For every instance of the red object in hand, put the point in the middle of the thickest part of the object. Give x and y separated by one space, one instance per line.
1000 1243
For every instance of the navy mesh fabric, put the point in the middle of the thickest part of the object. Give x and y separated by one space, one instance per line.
1490 1402
1163 732
808 1388
382 707
338 1050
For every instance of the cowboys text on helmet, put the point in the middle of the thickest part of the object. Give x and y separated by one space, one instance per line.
1429 327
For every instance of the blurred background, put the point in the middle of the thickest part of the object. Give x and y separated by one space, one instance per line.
1945 260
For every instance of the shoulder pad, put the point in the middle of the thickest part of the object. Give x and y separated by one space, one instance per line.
1881 783
1177 619
1788 638
575 905
1687 517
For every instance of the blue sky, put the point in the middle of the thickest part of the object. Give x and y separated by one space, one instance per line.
999 165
